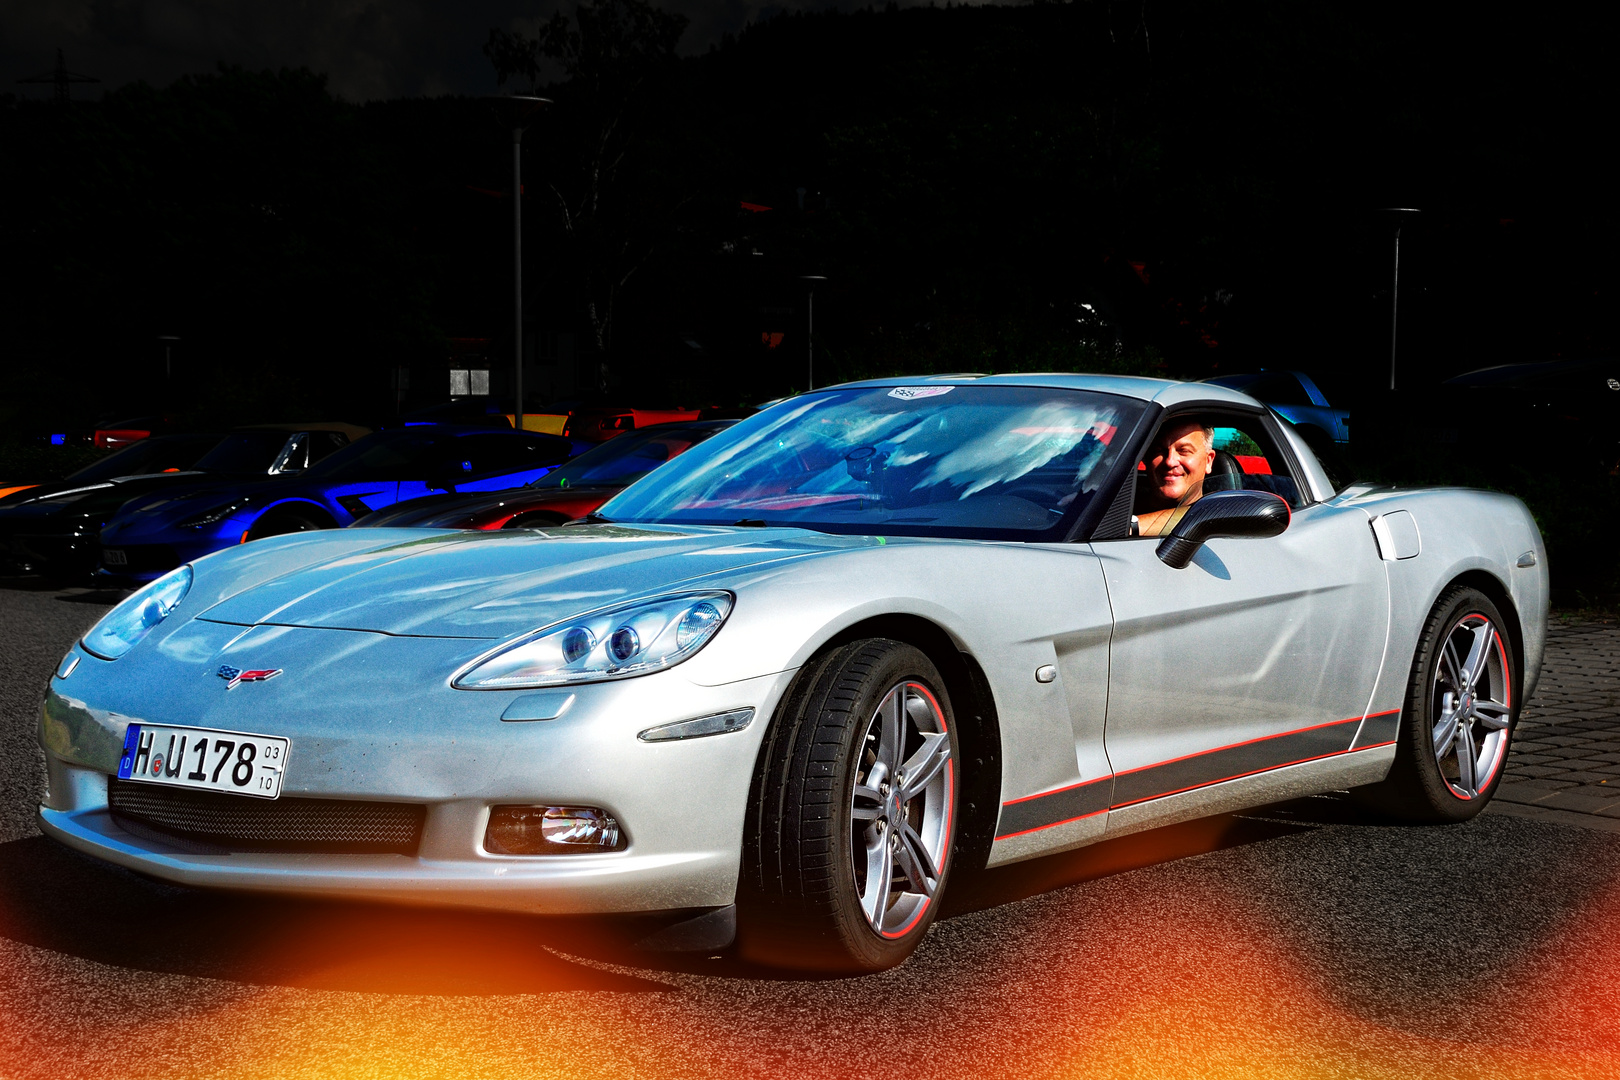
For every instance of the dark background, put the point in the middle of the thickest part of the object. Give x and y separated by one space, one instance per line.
1172 188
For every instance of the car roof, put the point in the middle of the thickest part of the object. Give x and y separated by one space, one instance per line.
669 425
1165 392
353 431
1547 370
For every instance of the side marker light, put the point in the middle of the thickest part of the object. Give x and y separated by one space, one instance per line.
718 724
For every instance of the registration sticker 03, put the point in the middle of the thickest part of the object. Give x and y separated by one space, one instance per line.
232 762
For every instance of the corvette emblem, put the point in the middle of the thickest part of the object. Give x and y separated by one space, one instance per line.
232 675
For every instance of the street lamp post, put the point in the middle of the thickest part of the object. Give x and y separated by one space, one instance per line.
1395 288
168 357
810 329
520 110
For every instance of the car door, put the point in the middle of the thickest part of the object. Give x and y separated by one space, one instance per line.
500 461
1261 653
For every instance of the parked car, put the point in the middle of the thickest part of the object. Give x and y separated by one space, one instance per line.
567 492
116 434
1573 404
600 423
55 529
152 535
162 453
1297 399
800 677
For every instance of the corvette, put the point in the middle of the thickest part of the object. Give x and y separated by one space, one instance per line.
155 533
789 685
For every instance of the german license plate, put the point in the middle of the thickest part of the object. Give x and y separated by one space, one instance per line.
114 557
229 761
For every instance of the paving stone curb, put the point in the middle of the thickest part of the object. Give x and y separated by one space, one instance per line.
1564 764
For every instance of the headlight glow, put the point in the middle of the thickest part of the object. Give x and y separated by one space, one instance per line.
212 516
615 643
124 625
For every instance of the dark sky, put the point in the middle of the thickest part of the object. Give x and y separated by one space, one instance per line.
370 48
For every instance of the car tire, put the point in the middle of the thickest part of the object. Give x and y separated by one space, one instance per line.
1462 704
281 524
843 870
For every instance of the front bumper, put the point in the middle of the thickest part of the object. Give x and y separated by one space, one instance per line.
681 804
449 871
69 555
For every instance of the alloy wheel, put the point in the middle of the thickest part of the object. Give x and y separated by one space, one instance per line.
1471 702
900 809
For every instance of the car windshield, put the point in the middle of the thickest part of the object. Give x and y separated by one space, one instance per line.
386 455
244 452
163 453
626 459
1007 462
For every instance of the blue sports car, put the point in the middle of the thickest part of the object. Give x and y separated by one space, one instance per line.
152 535
1297 399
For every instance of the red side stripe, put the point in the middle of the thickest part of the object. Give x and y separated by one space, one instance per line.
1058 791
1233 746
1053 825
1240 776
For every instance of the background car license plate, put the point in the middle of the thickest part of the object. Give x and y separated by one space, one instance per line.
229 761
114 557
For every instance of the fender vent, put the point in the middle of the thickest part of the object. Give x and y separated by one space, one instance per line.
204 820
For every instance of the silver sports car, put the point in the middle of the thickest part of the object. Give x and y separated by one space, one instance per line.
792 682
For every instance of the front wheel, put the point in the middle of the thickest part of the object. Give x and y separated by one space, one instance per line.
1459 714
280 524
852 815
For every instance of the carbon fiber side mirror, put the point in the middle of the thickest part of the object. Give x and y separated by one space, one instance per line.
1223 513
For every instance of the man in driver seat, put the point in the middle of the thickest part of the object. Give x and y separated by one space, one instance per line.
1177 461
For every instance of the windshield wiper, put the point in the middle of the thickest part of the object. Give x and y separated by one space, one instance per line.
752 523
592 518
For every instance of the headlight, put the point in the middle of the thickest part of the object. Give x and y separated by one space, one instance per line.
127 623
615 643
218 513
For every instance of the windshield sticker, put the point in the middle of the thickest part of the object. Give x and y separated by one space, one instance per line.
912 393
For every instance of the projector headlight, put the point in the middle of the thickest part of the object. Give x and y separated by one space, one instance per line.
124 625
615 643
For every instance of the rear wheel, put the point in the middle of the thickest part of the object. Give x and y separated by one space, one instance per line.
1461 706
852 815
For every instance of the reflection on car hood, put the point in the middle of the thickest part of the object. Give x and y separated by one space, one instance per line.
447 511
497 584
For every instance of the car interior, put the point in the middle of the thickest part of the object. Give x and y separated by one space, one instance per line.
1246 459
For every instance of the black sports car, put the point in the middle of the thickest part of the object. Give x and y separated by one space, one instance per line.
54 529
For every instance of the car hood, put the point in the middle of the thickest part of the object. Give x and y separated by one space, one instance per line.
93 500
498 584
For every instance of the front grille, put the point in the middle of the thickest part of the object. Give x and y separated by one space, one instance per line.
238 823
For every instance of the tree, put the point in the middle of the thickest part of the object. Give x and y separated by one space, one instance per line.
610 52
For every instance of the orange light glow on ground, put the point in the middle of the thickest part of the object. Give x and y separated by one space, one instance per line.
1219 949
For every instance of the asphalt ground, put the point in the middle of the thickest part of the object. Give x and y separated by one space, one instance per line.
1301 940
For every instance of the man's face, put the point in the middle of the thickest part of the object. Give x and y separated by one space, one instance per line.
1179 459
